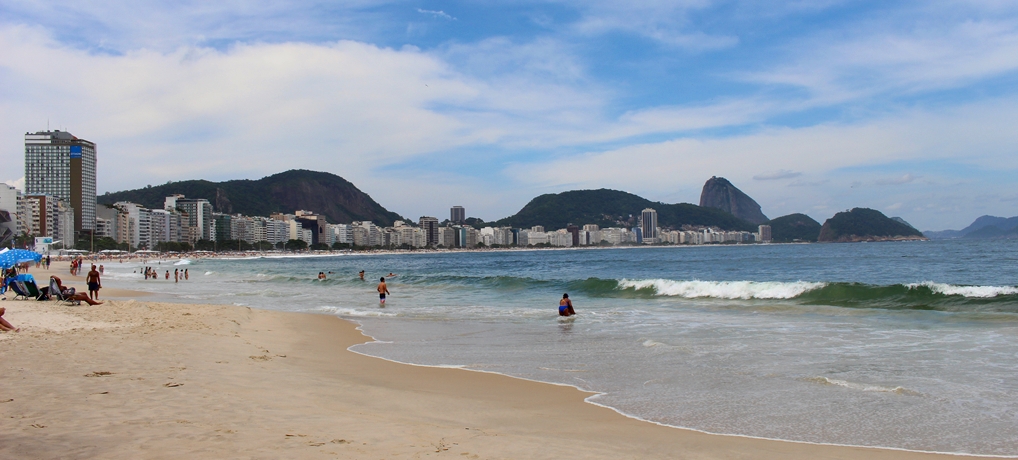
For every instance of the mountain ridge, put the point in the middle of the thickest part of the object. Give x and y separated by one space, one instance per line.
320 192
608 208
720 193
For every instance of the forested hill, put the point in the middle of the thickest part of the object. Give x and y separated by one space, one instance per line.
612 208
863 224
320 192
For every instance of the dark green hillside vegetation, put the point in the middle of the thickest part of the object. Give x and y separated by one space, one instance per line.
863 224
993 231
323 193
794 227
612 208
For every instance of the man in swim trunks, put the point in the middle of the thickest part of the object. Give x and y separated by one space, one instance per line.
94 283
565 306
382 291
362 275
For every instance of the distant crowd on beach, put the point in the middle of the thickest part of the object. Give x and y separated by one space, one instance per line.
178 274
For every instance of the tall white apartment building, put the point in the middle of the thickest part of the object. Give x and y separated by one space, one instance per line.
138 229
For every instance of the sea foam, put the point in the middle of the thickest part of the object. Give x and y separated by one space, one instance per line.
723 289
967 291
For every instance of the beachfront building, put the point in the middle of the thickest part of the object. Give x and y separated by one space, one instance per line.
59 164
430 227
317 224
63 224
11 202
104 228
457 214
200 222
763 234
137 226
165 226
446 237
342 234
593 234
39 214
648 227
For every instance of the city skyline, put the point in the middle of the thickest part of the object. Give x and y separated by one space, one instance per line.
816 108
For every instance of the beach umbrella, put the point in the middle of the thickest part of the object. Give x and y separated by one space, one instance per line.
13 257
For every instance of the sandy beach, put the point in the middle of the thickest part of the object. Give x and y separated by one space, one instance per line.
140 378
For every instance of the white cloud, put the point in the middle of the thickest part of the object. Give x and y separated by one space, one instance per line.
17 183
438 14
663 21
873 61
779 174
900 180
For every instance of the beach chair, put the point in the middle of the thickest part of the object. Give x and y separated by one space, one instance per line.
31 289
19 289
56 293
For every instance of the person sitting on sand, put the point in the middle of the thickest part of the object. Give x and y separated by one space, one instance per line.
382 291
565 306
4 325
69 294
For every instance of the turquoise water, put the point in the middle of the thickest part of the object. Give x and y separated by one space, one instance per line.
903 345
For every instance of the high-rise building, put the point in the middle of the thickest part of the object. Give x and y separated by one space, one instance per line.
430 227
40 215
457 214
649 227
764 233
136 229
200 223
574 233
61 165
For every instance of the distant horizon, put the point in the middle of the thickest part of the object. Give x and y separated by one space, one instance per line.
814 107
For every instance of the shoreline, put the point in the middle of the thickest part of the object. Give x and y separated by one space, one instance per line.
595 394
277 253
534 419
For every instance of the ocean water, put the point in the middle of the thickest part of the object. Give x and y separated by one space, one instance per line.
901 345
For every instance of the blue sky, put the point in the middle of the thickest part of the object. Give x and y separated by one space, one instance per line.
808 106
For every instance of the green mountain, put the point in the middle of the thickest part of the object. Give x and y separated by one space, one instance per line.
794 227
862 224
612 208
320 192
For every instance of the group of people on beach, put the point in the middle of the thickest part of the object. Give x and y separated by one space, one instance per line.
178 274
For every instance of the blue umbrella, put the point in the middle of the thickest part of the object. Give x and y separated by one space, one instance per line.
13 257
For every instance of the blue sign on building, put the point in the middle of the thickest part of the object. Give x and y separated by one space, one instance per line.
75 151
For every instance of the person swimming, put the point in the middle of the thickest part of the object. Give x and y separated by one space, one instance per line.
565 306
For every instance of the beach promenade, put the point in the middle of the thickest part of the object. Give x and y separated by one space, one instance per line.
140 378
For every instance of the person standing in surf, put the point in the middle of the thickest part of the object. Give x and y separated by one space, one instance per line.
382 291
565 306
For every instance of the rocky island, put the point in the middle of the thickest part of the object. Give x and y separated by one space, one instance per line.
863 224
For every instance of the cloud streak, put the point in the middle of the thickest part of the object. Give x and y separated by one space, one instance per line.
779 174
437 14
